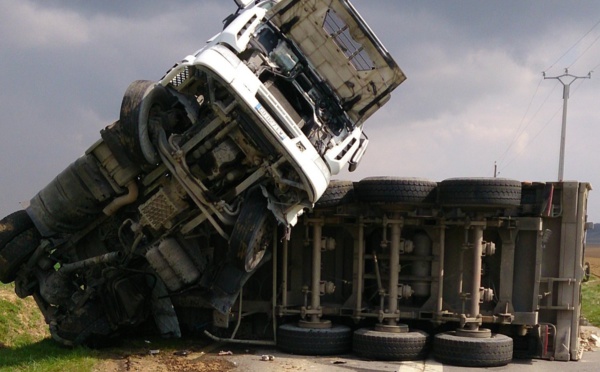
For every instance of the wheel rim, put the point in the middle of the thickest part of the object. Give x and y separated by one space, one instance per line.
252 233
142 104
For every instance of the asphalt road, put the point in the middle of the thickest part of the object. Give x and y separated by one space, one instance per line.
249 359
251 362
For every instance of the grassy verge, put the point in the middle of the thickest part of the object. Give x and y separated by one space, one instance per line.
25 343
590 306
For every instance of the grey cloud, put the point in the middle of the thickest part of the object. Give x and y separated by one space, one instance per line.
472 69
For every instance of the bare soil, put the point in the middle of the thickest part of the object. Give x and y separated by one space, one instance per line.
135 354
165 362
178 356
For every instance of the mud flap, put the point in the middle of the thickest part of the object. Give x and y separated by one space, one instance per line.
164 312
227 285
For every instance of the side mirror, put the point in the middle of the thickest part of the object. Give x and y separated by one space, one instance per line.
243 3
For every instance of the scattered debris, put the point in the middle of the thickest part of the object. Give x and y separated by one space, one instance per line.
153 351
229 352
267 357
589 340
182 353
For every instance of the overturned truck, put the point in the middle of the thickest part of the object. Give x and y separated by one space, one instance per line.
209 206
186 189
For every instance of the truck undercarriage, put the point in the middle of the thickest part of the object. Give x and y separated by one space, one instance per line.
208 206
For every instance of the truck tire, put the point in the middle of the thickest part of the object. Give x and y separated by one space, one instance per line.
253 232
140 101
472 352
372 344
337 193
16 252
405 191
294 339
18 240
480 192
12 225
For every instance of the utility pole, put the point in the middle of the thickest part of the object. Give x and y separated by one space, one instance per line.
566 88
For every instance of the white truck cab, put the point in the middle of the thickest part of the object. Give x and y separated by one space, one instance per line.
306 75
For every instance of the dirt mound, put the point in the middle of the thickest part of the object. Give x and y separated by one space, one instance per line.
165 362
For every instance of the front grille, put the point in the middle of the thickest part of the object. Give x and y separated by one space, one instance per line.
346 149
246 26
181 77
252 132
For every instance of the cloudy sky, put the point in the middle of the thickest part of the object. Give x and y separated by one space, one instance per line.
475 94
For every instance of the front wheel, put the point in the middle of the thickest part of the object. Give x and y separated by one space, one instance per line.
252 233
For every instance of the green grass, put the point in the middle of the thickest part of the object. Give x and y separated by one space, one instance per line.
46 355
25 344
590 306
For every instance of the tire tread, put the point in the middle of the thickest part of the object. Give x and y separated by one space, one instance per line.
412 191
473 352
314 341
376 345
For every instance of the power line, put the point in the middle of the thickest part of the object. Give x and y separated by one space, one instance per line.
521 122
519 133
573 46
585 51
520 152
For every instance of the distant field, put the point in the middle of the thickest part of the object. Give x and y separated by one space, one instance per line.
592 250
592 255
591 290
